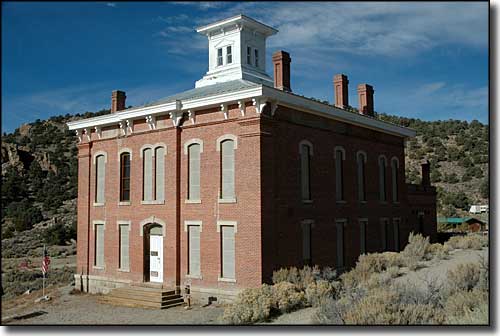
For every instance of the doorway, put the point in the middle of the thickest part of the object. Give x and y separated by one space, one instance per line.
153 253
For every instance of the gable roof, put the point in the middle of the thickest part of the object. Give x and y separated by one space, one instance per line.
459 220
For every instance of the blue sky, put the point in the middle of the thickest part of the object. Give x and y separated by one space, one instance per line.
427 60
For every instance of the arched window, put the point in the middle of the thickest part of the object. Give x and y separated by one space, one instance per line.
147 174
339 173
227 170
194 151
153 173
306 151
382 163
159 173
100 178
361 163
395 168
125 177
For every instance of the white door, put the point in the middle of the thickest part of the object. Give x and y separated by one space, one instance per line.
156 258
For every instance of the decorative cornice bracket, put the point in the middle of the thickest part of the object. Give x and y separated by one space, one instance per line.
192 116
241 106
223 108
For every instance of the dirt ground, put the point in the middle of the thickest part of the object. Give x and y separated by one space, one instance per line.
66 308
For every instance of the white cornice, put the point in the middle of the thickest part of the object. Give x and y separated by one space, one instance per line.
261 94
321 109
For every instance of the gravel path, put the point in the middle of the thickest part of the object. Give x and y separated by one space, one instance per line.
436 270
84 309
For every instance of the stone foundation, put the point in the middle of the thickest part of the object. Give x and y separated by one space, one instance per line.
98 284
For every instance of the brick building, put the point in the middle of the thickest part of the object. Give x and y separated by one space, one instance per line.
222 184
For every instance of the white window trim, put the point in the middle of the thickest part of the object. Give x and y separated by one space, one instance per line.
306 222
98 204
341 221
226 137
226 200
96 154
152 220
192 201
152 202
339 148
129 223
193 223
397 161
124 150
103 223
226 280
382 157
227 223
307 143
363 154
192 142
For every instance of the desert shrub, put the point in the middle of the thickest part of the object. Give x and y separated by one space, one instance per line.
463 278
393 271
300 277
286 275
319 291
415 250
251 305
475 242
287 297
467 307
437 251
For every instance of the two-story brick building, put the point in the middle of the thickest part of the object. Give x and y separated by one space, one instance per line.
222 184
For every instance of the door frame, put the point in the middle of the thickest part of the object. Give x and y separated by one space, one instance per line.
146 249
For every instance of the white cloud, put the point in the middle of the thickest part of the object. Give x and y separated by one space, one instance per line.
111 4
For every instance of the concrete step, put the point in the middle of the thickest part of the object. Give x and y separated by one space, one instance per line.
126 290
146 297
139 296
141 303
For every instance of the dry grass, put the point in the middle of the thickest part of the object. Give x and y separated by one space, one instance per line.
471 241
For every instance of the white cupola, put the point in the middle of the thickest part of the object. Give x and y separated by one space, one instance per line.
236 50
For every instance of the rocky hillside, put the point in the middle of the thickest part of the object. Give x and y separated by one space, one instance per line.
39 173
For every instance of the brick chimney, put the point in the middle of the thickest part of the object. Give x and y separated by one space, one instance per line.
426 173
281 62
117 101
340 83
365 94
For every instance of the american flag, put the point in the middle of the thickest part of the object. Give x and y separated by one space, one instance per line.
45 261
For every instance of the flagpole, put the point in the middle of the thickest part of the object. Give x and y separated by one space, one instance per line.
43 281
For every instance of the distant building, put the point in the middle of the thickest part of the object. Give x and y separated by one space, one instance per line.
471 224
476 209
220 185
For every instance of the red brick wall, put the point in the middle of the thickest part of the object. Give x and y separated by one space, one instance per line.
268 210
283 209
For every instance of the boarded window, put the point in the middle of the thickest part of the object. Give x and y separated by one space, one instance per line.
339 175
228 252
395 181
340 244
306 243
227 173
99 245
229 55
249 55
125 177
361 177
219 56
194 250
148 174
383 233
362 235
124 247
100 171
160 173
395 223
382 182
194 172
305 175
